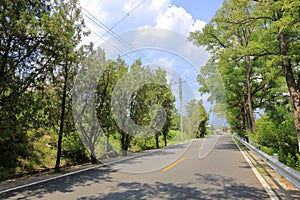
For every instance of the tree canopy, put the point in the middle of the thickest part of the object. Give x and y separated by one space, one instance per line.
255 47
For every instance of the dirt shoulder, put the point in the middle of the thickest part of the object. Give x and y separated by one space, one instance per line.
281 186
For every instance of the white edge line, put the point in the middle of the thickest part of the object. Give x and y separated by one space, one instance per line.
49 179
262 181
86 169
67 174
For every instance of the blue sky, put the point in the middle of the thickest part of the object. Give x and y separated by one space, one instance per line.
113 19
124 15
199 9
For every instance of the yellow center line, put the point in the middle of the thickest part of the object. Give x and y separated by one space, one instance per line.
173 164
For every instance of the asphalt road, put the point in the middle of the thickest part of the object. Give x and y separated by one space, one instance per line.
210 168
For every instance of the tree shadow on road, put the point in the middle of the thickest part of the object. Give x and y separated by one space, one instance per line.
157 190
227 146
144 156
228 188
63 185
207 187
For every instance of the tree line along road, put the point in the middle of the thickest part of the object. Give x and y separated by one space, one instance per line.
208 168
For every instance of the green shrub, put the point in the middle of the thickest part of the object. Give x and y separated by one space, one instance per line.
298 162
290 161
73 150
268 150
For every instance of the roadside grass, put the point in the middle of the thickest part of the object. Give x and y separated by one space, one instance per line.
261 169
45 153
238 143
255 163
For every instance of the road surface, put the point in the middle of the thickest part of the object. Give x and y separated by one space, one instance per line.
209 168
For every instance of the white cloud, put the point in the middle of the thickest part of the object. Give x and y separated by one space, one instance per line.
158 4
122 15
133 14
175 19
147 13
198 25
178 19
165 62
144 12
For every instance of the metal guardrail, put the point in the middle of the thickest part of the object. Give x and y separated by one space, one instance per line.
285 171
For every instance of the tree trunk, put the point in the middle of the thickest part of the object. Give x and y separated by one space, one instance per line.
202 129
165 131
106 141
124 150
62 117
94 159
165 139
124 143
127 142
296 114
157 141
294 89
248 98
242 118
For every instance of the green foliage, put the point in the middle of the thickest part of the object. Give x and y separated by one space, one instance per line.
298 162
74 152
267 150
37 38
128 102
142 144
290 160
196 119
40 59
228 37
276 134
252 43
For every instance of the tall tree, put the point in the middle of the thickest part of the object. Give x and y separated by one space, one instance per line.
32 45
70 27
21 63
278 41
112 73
147 98
92 99
230 37
196 119
228 33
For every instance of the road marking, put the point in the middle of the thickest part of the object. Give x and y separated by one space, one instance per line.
173 164
202 149
90 168
262 181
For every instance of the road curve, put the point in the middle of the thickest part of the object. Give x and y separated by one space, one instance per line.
209 168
